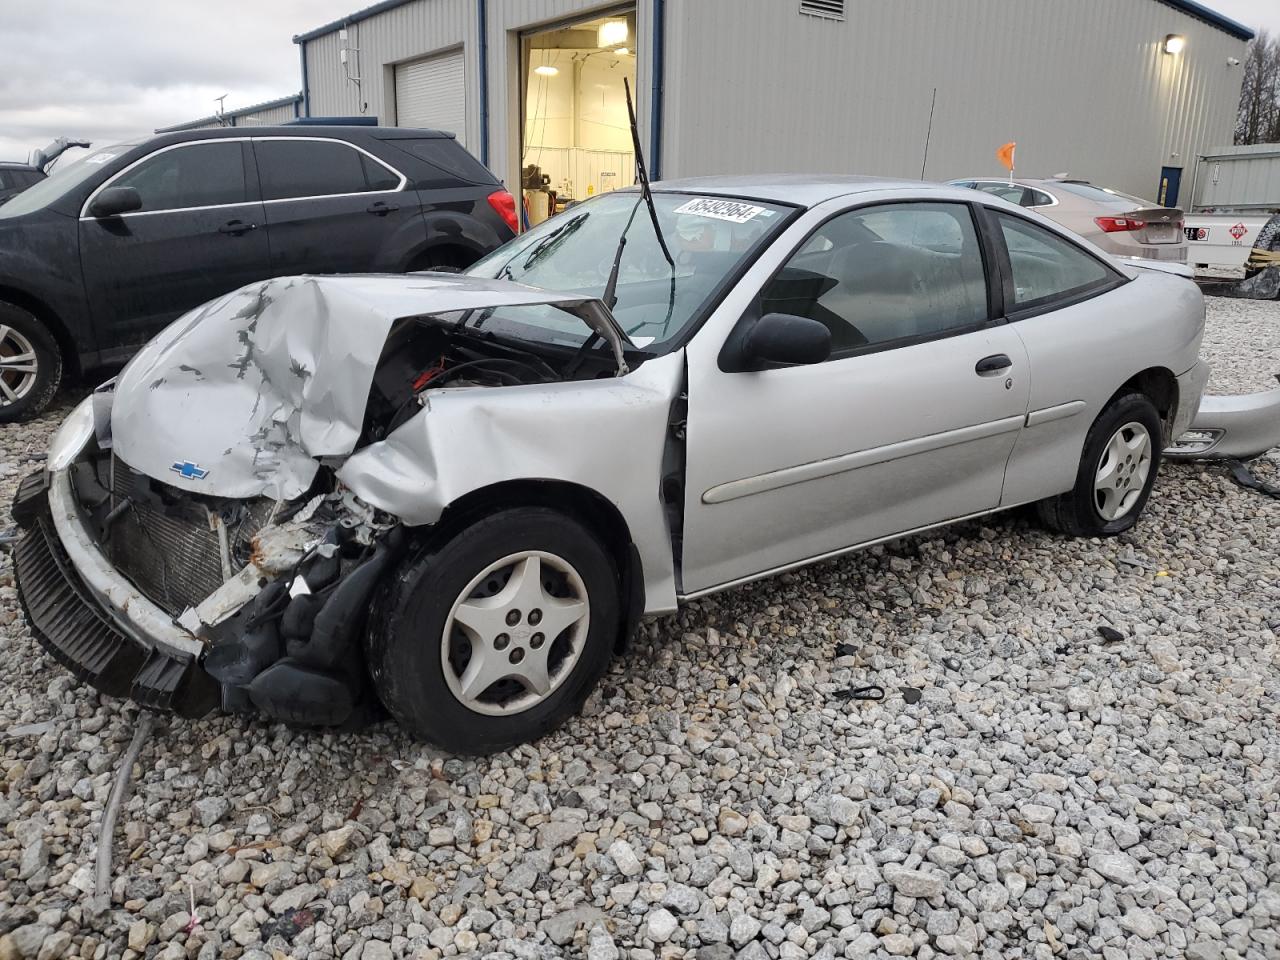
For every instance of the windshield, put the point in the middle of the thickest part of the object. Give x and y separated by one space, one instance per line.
709 237
60 180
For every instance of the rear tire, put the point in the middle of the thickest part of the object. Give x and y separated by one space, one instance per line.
1117 470
30 364
444 660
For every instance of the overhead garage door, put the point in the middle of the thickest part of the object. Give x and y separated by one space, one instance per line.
432 93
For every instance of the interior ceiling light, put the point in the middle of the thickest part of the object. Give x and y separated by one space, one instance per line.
611 33
546 71
1174 43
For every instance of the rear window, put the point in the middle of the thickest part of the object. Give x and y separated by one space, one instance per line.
1102 195
447 155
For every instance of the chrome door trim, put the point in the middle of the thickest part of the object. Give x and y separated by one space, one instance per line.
84 208
818 469
1060 411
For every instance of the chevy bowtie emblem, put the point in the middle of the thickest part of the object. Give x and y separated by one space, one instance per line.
189 470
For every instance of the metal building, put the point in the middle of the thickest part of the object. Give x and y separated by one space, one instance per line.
1124 92
1244 179
259 115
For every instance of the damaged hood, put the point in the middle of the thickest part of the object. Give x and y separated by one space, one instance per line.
240 397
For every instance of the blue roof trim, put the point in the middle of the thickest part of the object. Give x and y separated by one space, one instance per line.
295 99
1190 7
362 14
1211 17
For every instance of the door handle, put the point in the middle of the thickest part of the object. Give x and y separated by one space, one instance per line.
236 227
380 208
992 365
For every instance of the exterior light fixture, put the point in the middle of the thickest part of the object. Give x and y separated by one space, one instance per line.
1174 43
622 51
546 71
611 33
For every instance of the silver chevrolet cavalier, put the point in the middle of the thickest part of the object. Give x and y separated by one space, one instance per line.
453 496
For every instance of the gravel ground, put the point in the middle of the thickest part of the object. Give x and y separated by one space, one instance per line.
1051 794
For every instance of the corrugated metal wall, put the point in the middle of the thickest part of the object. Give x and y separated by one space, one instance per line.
409 32
1240 178
262 118
753 86
1083 87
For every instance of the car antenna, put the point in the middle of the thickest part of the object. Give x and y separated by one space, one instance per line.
609 296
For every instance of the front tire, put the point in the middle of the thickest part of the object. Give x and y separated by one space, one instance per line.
500 635
1117 471
30 364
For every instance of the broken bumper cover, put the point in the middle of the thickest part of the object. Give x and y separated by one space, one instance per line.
92 620
1231 428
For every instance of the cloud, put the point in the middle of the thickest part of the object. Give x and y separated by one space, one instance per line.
109 72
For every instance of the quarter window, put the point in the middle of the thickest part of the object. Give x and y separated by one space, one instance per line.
1046 266
199 175
886 275
317 168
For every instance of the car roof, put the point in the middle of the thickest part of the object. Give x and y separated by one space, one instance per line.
310 130
795 188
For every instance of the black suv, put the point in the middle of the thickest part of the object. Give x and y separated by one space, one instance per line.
16 177
105 252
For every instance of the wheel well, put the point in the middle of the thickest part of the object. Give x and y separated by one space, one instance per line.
589 508
444 255
41 311
1160 386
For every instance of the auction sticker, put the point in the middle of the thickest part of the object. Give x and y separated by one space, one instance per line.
100 158
730 210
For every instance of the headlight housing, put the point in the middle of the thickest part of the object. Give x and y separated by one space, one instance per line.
72 436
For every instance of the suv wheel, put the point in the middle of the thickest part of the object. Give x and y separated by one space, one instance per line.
1117 470
497 637
30 364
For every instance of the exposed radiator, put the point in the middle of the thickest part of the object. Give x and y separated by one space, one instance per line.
169 550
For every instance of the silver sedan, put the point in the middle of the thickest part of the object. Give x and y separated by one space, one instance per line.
453 496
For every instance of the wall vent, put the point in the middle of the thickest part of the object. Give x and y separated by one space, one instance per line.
826 9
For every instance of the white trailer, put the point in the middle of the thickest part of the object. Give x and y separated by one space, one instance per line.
1236 194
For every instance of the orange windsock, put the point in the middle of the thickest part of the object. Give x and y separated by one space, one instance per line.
1005 155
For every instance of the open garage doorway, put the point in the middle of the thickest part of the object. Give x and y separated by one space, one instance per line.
575 137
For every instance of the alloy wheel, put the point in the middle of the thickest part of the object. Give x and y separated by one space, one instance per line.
17 366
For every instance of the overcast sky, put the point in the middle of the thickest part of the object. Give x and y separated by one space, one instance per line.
109 71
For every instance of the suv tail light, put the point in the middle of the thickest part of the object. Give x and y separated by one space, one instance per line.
1119 224
505 204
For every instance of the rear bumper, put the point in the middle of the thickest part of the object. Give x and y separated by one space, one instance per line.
92 620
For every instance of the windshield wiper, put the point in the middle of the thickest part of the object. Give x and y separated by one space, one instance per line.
545 245
610 296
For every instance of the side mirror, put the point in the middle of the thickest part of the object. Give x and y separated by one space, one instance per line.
786 339
114 201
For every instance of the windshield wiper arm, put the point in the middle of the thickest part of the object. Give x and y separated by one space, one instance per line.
543 246
642 174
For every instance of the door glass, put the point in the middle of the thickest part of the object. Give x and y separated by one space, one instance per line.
317 168
199 175
886 274
1046 266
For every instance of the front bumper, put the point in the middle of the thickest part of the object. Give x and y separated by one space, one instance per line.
1230 428
92 620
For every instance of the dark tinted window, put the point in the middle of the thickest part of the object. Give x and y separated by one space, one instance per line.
1101 195
446 154
1014 193
199 175
1046 266
889 273
317 168
1038 198
6 180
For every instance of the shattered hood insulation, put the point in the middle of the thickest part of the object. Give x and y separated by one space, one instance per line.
240 397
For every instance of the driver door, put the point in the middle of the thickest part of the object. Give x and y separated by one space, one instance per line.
908 424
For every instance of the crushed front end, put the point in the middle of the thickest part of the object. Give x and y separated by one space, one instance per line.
186 602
